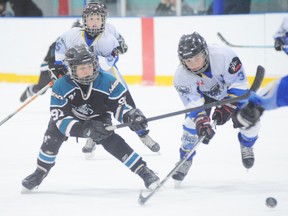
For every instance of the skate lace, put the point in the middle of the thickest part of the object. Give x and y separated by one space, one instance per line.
247 152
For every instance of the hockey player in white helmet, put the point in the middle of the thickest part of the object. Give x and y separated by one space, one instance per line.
103 44
87 87
209 73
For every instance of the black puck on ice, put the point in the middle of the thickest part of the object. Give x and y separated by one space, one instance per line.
271 202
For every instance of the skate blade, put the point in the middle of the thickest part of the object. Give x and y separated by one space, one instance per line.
177 184
154 185
89 156
26 191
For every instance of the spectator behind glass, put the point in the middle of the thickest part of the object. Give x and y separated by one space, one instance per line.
233 7
168 8
3 9
21 8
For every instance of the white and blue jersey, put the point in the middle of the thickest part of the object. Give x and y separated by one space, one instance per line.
273 96
102 44
224 78
71 103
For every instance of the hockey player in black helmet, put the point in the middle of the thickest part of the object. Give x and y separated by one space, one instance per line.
209 73
81 105
97 35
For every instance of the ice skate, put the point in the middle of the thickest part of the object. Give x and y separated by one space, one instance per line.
181 172
247 156
89 148
149 142
151 180
32 181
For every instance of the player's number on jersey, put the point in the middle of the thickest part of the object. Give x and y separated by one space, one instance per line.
56 114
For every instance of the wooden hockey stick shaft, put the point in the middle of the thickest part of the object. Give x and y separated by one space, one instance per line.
50 84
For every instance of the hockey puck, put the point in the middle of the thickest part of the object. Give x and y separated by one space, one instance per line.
271 202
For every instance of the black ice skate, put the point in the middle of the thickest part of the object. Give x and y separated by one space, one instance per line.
27 93
34 180
181 172
149 142
151 180
247 156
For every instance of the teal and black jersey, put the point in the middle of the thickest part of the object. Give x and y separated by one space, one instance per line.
72 103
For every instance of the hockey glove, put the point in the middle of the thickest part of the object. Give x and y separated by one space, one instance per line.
204 128
96 130
248 116
278 44
122 48
137 119
223 113
56 71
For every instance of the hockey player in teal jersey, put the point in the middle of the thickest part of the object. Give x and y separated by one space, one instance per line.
81 105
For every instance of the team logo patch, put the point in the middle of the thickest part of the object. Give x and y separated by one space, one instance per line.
235 65
183 89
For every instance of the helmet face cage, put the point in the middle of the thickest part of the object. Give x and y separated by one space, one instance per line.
190 46
80 55
92 9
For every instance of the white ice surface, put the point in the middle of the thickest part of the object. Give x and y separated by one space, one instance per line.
217 184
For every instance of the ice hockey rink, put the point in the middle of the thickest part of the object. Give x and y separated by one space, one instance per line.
217 183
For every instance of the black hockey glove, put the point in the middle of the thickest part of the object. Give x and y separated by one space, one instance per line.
138 120
203 127
56 71
122 48
247 116
96 130
278 44
223 113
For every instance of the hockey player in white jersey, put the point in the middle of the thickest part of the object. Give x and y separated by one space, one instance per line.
100 41
273 96
210 73
281 37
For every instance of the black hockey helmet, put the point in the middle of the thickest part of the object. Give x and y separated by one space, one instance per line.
94 8
79 55
191 45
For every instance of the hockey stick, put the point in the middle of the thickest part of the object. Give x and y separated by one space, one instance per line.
241 46
143 199
256 84
50 84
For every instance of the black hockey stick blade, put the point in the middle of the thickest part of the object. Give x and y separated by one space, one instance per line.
241 46
256 84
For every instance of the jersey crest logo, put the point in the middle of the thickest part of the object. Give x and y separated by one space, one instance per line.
183 89
85 109
235 65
